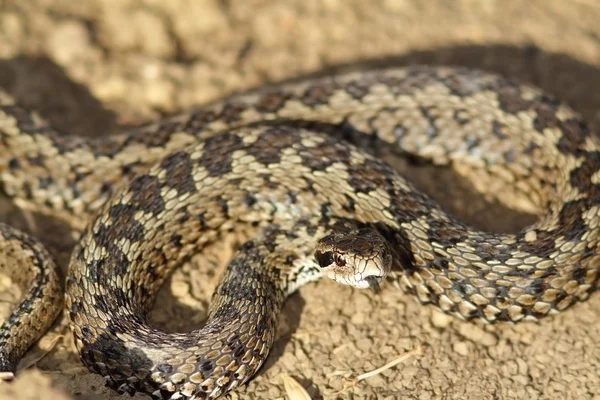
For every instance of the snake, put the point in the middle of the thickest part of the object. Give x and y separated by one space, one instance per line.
298 166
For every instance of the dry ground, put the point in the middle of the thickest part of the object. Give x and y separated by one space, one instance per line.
94 65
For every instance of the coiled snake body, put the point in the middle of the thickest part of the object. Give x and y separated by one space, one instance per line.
273 160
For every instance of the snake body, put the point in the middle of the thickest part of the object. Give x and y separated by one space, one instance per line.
274 161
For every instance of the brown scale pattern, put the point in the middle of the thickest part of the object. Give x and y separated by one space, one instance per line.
149 198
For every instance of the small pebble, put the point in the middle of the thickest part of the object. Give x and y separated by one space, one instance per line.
461 348
440 320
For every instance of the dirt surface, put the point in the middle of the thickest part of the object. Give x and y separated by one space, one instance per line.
92 66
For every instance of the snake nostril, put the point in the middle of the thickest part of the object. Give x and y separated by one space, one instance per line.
325 259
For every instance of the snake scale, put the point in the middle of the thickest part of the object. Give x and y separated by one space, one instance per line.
283 161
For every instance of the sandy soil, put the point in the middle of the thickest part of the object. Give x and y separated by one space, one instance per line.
92 66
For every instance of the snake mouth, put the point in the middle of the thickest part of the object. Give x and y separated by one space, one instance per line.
373 282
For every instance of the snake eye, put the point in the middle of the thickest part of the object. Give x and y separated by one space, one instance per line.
340 260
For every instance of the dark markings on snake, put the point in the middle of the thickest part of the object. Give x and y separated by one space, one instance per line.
14 163
357 89
571 220
292 197
497 130
530 148
573 139
323 156
161 135
178 168
132 168
440 264
176 240
460 86
579 275
183 216
250 199
537 287
444 233
45 182
316 96
65 144
430 114
270 144
147 187
542 246
461 117
232 112
401 202
511 100
349 204
124 226
545 117
217 157
272 101
582 175
367 177
37 160
199 120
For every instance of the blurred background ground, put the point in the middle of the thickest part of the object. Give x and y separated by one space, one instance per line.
90 67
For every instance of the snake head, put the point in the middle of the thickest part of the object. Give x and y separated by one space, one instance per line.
359 258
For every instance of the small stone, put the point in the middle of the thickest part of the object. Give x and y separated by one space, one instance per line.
477 334
160 94
440 320
364 344
68 41
520 379
523 367
461 348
